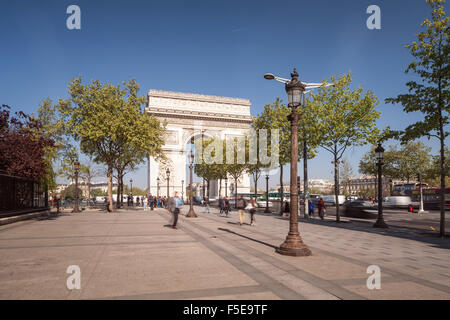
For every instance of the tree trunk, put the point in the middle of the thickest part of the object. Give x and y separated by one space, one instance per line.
119 173
336 186
110 174
256 186
281 190
220 187
121 190
442 196
89 192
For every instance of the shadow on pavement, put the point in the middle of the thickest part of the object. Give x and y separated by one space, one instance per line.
255 240
393 231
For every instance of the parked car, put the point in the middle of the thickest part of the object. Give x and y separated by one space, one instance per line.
360 209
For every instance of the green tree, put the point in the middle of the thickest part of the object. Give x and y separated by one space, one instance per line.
347 118
430 94
105 119
69 192
433 174
275 116
405 164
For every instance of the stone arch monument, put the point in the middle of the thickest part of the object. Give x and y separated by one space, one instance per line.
189 116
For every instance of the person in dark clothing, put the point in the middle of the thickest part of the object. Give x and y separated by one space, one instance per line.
221 205
321 208
227 206
174 205
252 211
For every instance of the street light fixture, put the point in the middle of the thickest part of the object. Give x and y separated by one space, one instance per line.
76 167
379 154
168 177
293 245
191 213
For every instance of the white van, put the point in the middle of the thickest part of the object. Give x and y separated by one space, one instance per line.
399 202
331 200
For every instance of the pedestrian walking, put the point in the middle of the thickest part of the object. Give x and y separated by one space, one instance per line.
227 206
221 205
311 208
145 203
241 204
174 205
252 210
207 209
107 204
321 208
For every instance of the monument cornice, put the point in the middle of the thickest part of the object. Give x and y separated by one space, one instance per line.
195 115
197 97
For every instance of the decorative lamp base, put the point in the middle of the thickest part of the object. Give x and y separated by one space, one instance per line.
380 224
294 246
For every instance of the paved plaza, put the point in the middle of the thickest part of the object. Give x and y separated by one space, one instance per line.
134 255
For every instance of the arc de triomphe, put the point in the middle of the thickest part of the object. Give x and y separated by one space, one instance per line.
190 116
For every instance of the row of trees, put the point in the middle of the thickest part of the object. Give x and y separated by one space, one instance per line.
108 124
338 117
406 162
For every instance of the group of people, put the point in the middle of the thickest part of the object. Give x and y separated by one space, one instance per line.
320 207
149 202
224 206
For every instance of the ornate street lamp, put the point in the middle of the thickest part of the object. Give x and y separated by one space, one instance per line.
168 177
379 154
76 167
157 187
191 213
293 245
267 192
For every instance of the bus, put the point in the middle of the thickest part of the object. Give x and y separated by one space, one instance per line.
406 189
247 195
432 197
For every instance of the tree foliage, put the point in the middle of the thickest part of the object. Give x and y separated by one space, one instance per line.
347 117
430 95
23 144
106 119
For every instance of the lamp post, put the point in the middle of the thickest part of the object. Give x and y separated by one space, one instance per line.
293 245
182 190
168 177
267 193
76 167
157 187
131 191
379 152
191 213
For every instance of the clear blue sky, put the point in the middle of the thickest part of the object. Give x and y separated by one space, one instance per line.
210 47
